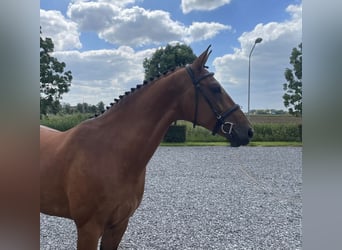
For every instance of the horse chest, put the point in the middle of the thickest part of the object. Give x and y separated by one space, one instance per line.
124 195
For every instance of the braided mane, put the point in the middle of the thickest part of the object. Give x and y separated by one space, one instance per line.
138 87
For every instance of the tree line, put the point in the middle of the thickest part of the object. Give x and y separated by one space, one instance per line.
268 112
83 108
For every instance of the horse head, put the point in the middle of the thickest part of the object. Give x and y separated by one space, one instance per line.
211 105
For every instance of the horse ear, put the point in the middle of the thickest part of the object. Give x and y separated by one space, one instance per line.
200 61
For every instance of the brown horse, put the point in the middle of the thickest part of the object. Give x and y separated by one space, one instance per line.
94 173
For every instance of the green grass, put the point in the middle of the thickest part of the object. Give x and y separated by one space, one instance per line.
275 119
63 122
251 144
276 143
182 144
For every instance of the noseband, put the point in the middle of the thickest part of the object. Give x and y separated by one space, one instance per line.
220 117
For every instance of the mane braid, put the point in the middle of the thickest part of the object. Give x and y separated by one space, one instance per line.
137 88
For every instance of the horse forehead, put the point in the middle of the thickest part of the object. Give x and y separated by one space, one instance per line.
208 77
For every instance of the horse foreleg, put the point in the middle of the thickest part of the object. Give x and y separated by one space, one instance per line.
112 236
88 236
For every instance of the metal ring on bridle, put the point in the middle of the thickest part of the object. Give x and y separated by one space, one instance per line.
230 128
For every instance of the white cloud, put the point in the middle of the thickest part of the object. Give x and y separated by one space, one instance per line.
268 62
114 2
64 33
102 75
93 16
203 5
137 26
202 31
120 2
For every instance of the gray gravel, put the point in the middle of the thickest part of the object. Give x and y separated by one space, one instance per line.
210 198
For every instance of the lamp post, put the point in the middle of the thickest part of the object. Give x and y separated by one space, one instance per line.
258 40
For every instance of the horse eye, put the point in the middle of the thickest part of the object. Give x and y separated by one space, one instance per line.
215 88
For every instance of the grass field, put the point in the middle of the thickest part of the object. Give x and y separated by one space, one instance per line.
252 144
266 128
275 119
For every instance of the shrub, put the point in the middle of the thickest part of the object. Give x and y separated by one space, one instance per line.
63 122
277 132
200 134
262 132
175 133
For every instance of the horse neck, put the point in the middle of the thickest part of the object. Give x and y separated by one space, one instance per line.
141 119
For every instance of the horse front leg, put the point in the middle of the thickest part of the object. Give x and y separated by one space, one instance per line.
88 236
112 236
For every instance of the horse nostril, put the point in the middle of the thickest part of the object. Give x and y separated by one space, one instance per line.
250 133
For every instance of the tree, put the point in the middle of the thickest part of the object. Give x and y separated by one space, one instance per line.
82 107
293 87
67 108
100 106
166 58
54 81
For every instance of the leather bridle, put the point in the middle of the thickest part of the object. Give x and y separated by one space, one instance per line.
226 127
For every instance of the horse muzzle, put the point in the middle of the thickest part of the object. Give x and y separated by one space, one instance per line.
237 137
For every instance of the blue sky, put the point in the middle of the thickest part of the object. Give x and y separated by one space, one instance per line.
103 42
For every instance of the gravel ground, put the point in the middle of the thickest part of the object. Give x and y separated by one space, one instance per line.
209 198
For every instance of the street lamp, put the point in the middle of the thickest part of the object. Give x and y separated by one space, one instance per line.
258 40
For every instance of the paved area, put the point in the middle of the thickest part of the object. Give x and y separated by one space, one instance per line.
210 198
